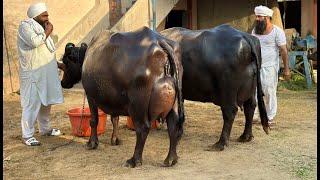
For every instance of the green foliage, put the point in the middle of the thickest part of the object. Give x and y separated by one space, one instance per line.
296 83
305 171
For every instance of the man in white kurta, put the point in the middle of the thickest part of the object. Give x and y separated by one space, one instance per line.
39 80
272 40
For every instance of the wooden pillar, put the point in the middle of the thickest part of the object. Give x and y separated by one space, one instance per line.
315 18
189 12
194 15
114 11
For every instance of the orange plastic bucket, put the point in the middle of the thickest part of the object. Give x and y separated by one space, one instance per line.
154 124
82 127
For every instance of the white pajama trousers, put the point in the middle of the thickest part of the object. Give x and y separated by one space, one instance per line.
269 82
33 111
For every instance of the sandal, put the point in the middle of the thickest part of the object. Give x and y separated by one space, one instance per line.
53 132
32 142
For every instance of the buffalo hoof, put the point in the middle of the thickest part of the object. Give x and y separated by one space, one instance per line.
170 162
216 147
245 138
132 163
91 144
115 142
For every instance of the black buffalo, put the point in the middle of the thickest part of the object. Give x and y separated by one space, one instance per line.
222 65
135 74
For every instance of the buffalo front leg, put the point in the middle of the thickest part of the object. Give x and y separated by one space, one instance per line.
93 141
228 114
175 131
142 131
115 123
249 107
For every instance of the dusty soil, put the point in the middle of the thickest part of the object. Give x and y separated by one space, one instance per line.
288 152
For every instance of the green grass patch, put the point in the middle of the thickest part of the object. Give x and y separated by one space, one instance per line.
306 171
296 83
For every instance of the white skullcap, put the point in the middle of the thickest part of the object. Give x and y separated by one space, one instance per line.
263 11
36 9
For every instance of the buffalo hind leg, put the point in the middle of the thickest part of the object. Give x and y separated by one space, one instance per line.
175 130
115 123
228 113
142 131
249 107
93 141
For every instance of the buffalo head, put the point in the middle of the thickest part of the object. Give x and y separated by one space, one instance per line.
72 64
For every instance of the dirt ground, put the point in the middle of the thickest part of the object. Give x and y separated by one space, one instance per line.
288 152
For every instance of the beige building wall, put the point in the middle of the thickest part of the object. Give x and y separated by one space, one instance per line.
162 25
63 14
91 23
239 14
309 17
125 4
163 8
183 5
140 15
136 17
211 13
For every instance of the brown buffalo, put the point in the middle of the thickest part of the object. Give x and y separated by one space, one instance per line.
222 65
135 74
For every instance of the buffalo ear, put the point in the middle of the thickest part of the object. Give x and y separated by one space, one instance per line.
82 54
84 45
83 49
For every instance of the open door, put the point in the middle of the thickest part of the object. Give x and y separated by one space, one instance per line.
177 18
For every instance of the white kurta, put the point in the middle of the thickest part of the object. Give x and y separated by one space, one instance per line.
40 85
270 66
38 66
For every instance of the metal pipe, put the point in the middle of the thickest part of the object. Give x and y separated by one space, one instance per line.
284 14
153 24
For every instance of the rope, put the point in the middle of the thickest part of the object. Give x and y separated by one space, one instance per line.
84 101
81 119
7 52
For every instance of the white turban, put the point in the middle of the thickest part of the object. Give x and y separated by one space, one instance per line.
36 9
263 11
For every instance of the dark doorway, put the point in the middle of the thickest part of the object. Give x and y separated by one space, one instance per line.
292 10
177 18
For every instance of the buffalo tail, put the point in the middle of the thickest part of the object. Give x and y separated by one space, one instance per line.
178 84
256 53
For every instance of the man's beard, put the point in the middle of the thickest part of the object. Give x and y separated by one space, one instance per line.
260 26
42 23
